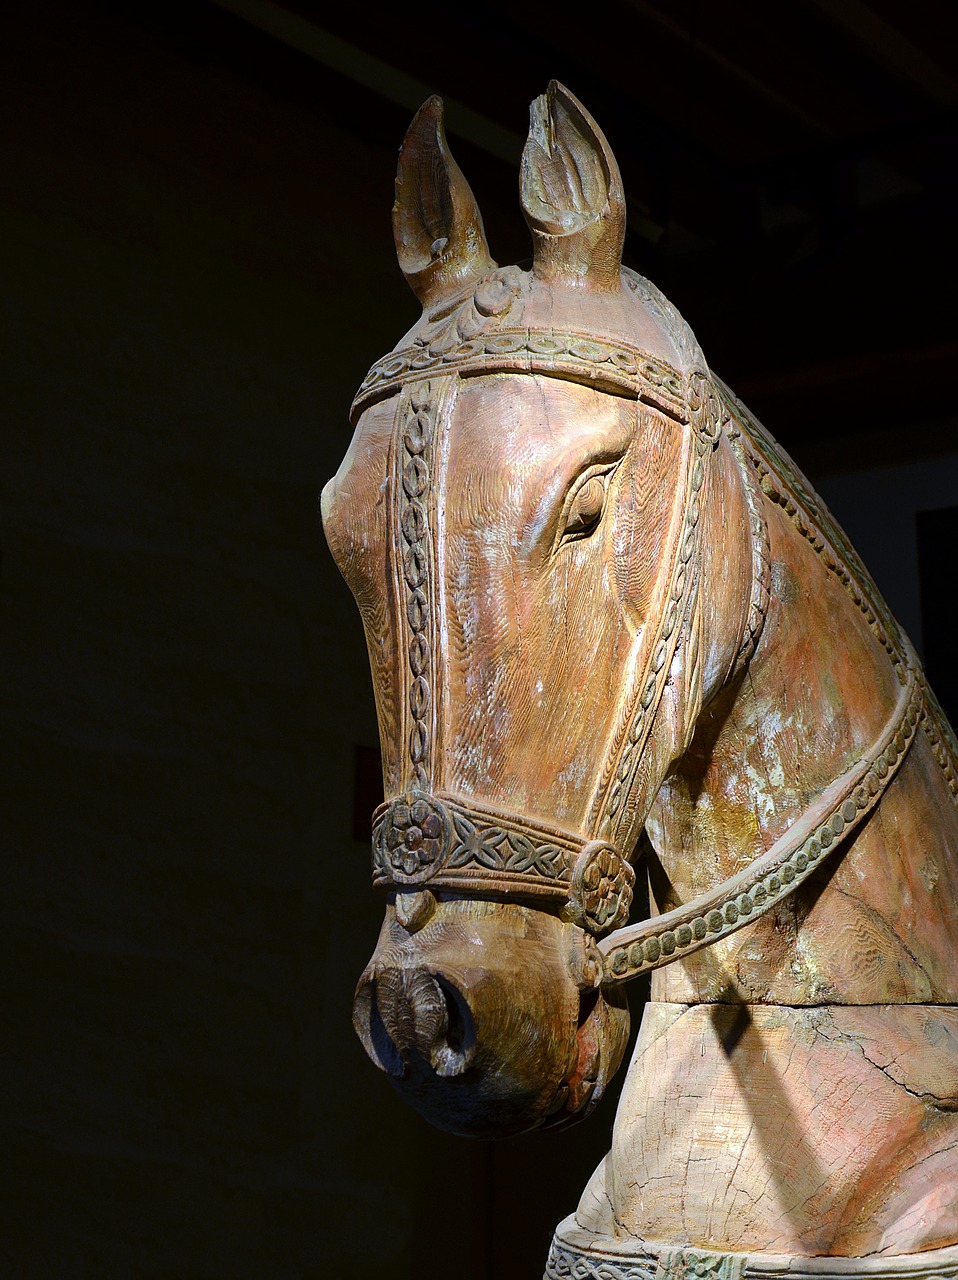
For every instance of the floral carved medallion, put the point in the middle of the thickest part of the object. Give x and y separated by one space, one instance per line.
413 838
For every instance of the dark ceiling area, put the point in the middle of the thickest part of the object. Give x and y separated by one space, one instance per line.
789 169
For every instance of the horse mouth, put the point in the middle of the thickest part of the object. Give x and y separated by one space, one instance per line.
581 1094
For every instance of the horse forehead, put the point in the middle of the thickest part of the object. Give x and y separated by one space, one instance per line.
527 417
516 441
519 436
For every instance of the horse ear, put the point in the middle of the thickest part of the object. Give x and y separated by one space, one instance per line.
437 226
572 194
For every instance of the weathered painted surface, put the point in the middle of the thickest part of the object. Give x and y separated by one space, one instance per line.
606 616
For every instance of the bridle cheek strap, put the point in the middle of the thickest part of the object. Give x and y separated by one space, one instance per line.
448 842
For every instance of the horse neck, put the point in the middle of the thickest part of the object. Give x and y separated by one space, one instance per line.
873 925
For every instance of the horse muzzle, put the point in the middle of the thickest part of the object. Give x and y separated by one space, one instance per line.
487 1016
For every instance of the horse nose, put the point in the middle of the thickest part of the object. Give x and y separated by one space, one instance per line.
408 1016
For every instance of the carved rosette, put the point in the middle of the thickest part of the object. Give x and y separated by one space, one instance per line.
411 839
600 894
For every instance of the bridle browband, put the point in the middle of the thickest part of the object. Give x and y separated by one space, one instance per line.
575 357
441 841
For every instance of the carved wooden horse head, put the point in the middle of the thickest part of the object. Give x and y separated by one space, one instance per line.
519 519
598 600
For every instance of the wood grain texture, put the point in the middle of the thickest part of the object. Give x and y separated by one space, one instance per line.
787 1130
607 614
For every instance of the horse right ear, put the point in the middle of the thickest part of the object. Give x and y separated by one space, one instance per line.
440 241
572 195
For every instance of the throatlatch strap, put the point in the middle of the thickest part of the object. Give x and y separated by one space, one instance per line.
842 807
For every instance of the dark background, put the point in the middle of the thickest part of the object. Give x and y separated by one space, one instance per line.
197 270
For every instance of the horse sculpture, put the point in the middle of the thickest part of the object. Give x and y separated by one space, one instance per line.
610 622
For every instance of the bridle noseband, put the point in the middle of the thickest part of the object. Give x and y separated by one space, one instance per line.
450 843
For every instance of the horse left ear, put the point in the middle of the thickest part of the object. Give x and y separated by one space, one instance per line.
572 195
440 241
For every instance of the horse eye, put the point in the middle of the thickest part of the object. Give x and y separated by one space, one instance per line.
586 507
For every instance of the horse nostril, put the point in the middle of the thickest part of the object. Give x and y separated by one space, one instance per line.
371 1029
455 1054
404 1016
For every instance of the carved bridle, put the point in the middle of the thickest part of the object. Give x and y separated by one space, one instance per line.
479 319
436 840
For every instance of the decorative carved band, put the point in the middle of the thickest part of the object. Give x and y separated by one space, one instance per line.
565 1264
415 429
941 738
450 844
610 813
569 1261
579 357
761 552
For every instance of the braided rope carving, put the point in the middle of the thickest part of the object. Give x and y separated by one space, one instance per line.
843 806
566 1264
414 461
761 552
684 582
578 357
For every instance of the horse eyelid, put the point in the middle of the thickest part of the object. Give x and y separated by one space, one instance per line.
597 472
